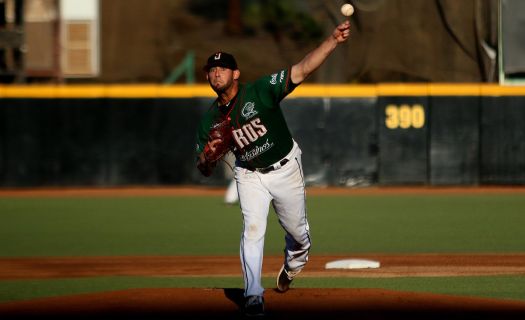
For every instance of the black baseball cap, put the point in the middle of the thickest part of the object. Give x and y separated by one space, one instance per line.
221 59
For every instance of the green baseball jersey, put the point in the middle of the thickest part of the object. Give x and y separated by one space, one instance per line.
260 133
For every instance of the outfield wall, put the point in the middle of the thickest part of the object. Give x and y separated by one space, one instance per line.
436 134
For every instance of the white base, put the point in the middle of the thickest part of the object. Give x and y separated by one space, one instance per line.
353 264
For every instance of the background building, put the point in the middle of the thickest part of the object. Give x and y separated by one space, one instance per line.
123 41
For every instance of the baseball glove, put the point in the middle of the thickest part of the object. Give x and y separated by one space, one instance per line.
220 130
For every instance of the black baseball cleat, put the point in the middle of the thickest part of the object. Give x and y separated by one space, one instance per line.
254 306
285 278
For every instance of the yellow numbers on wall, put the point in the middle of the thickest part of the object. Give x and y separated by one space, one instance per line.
404 116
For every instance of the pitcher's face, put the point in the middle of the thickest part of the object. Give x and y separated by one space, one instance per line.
220 78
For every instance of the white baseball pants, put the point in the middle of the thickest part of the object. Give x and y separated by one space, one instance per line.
284 189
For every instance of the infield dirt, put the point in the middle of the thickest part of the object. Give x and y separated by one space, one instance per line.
415 265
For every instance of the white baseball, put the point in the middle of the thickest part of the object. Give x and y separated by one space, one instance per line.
347 9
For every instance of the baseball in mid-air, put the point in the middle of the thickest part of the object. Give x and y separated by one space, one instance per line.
347 9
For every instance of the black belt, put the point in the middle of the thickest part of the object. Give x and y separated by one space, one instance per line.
271 168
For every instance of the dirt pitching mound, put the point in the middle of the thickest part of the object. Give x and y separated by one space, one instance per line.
296 304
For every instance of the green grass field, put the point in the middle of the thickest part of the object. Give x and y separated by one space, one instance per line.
481 223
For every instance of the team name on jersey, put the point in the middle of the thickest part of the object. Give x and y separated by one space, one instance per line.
249 132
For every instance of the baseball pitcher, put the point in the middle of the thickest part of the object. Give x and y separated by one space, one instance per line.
246 119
